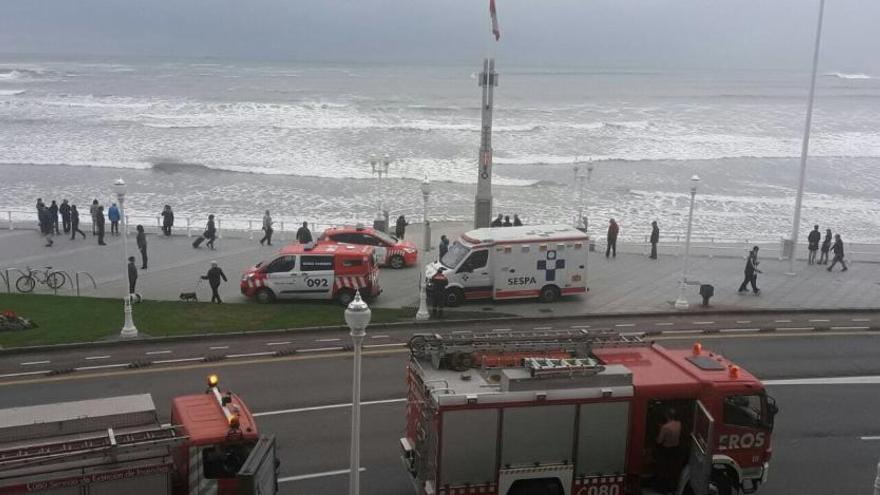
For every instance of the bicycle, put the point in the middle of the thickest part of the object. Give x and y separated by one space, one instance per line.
28 281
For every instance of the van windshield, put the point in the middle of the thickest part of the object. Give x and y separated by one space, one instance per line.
455 254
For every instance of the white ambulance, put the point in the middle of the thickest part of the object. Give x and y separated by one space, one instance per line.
543 261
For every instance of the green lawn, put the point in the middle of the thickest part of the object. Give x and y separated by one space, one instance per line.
63 319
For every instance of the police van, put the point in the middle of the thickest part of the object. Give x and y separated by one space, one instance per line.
534 261
321 271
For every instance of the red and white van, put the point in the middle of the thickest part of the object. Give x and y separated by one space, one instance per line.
322 271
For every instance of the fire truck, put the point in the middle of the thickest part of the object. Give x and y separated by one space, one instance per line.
117 445
578 413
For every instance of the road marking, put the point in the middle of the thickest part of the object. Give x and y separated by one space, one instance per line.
101 367
664 324
625 325
703 323
31 363
179 360
24 373
869 438
673 332
819 321
739 330
278 343
396 344
218 347
783 329
579 326
153 353
327 340
850 328
326 407
317 475
97 357
500 329
542 328
843 380
861 319
320 349
782 321
743 321
250 354
378 336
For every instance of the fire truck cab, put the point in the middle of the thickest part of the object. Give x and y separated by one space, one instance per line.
321 271
578 413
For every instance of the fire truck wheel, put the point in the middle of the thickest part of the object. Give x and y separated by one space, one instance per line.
720 483
397 262
345 297
454 297
549 293
265 296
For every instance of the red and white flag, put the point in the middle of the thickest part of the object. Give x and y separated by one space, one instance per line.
494 15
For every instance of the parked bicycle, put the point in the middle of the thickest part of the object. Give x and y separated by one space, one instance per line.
29 280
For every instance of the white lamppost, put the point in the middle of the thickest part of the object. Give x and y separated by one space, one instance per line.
128 328
357 317
581 180
425 186
681 302
805 145
379 167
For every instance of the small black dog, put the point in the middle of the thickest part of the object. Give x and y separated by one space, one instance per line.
189 296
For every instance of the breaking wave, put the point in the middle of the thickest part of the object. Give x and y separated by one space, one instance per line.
844 75
12 92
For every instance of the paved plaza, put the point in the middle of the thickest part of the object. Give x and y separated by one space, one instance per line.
629 283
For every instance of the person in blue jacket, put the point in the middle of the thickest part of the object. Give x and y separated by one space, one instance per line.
113 216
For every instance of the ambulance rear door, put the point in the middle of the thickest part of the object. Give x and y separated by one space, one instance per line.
317 279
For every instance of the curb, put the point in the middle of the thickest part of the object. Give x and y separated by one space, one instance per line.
423 324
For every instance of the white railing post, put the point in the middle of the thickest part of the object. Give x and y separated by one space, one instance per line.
251 230
219 235
188 232
281 231
9 216
125 227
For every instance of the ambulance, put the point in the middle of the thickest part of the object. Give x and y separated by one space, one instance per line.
535 261
320 271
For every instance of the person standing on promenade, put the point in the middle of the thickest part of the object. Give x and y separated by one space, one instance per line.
400 227
437 289
267 229
516 221
40 206
74 224
655 238
167 220
813 244
64 209
214 275
838 253
751 272
507 222
613 230
53 217
93 212
444 246
142 245
132 275
303 234
826 246
497 222
210 232
113 216
99 224
45 224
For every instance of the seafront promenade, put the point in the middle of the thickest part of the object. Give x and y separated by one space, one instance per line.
629 283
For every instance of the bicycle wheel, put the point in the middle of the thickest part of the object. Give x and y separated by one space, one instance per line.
25 283
55 280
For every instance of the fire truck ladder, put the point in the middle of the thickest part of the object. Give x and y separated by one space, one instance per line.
579 342
106 441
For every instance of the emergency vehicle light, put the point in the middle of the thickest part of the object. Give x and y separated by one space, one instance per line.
213 380
734 371
233 421
698 348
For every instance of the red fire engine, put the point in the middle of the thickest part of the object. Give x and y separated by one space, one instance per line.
578 413
117 445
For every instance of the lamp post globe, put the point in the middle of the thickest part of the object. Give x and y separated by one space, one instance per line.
357 317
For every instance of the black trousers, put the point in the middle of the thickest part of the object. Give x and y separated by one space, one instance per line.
166 229
612 247
65 223
215 296
654 250
750 277
114 226
143 257
74 229
267 237
131 284
100 235
210 242
835 260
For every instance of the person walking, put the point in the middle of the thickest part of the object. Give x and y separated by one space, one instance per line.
267 229
813 244
303 234
507 222
214 275
167 220
437 288
113 216
40 206
64 209
93 212
142 245
516 221
497 222
655 238
53 217
46 227
444 246
837 247
99 225
74 224
400 227
751 272
132 276
826 246
611 245
210 232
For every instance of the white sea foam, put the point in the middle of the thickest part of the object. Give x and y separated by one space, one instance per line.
844 75
12 92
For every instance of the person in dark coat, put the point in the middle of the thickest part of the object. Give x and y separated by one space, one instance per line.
400 227
74 223
53 217
210 232
507 222
611 245
114 217
132 275
64 209
142 245
813 244
99 225
751 272
214 275
40 206
167 220
303 234
437 289
655 238
826 246
45 224
516 221
444 246
93 212
837 247
497 222
267 229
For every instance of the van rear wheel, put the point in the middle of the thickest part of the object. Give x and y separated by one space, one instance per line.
549 293
265 296
454 297
397 262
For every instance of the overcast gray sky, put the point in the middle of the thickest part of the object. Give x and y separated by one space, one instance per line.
631 33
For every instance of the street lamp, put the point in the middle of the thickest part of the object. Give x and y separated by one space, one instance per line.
681 302
357 317
128 328
805 145
379 167
581 180
425 186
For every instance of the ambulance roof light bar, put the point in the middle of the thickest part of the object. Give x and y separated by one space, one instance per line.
222 401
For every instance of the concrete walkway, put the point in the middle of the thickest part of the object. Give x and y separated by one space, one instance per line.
629 283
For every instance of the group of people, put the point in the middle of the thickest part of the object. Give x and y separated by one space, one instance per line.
835 245
47 216
505 221
303 234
